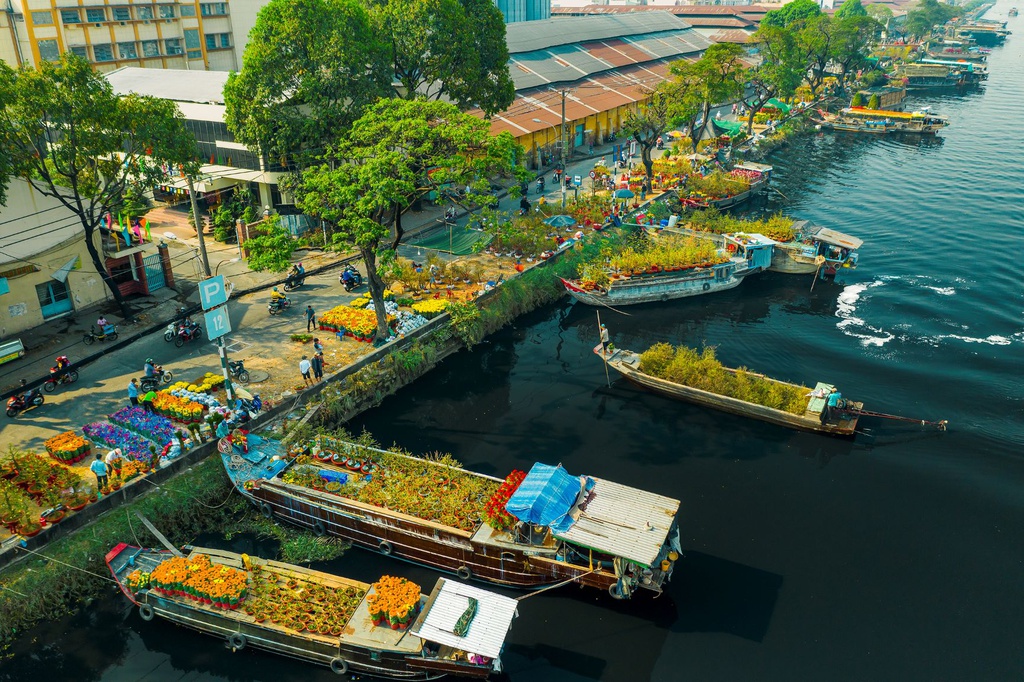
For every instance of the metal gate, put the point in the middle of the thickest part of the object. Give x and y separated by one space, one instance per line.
154 272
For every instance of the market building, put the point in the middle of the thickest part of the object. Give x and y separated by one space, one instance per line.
720 23
599 67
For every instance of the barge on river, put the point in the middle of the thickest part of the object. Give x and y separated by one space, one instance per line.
627 363
759 176
883 122
815 249
425 650
581 529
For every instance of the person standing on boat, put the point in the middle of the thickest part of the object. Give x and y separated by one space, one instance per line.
831 406
605 340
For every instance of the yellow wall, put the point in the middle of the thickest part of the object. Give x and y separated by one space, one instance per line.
601 124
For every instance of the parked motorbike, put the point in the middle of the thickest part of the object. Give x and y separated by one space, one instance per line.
152 383
188 333
238 371
109 332
22 403
68 376
278 305
354 281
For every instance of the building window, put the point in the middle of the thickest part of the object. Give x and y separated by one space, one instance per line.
70 16
95 15
192 46
122 14
212 9
103 53
215 41
225 40
166 11
150 48
127 51
48 50
42 18
172 46
81 52
187 10
144 12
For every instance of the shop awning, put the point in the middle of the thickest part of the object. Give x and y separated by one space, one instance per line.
545 497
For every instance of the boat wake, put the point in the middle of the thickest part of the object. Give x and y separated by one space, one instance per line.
851 325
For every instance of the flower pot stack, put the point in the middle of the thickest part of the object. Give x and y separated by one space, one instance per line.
197 578
68 447
393 602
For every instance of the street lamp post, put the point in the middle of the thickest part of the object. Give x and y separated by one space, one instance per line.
561 149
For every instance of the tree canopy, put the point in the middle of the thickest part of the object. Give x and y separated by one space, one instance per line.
849 43
927 15
851 8
67 132
396 153
781 69
715 78
798 10
648 122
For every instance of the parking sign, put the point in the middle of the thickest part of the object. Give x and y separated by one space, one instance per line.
212 292
217 322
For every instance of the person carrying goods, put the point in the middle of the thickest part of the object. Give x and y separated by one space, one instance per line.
293 276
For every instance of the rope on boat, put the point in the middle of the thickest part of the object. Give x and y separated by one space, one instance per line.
940 424
551 587
64 563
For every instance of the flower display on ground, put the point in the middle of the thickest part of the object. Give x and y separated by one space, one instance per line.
68 447
408 322
362 324
393 602
431 308
132 468
181 409
199 579
155 427
204 399
133 446
495 513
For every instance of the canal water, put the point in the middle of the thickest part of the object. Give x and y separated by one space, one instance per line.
895 556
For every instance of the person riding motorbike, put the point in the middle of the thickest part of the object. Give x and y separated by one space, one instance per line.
149 369
62 364
294 275
277 299
101 323
26 397
347 278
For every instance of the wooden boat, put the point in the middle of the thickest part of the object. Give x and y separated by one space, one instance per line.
930 76
972 73
883 122
747 254
427 650
815 249
758 185
1012 12
620 539
987 33
627 363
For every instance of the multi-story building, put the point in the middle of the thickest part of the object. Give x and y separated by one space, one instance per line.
524 10
164 34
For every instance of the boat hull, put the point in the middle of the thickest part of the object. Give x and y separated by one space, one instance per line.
728 202
650 288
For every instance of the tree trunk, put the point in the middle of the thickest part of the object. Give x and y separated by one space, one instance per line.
645 154
97 261
376 286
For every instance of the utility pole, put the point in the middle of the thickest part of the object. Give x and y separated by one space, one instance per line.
222 351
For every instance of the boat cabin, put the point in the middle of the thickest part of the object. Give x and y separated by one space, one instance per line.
755 248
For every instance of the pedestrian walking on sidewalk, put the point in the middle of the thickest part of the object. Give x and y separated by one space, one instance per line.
133 392
310 318
317 364
304 367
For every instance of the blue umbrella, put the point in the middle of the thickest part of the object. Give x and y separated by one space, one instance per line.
560 221
623 194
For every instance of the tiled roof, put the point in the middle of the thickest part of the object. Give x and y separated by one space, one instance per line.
730 36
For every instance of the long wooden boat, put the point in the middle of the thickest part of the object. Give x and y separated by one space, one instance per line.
815 249
883 121
427 650
747 254
987 33
619 539
973 73
758 185
627 363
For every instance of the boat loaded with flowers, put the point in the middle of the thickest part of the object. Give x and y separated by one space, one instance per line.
673 266
726 189
387 629
529 530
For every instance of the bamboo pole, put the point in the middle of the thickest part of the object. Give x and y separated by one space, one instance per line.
604 356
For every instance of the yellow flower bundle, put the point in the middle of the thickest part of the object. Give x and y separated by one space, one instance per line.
132 468
361 323
394 601
431 308
67 447
182 409
197 578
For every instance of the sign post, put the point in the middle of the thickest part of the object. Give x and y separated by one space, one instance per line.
214 295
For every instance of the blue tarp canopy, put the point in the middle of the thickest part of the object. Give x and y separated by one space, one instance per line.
545 497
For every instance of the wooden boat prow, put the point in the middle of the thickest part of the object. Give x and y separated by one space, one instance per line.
627 363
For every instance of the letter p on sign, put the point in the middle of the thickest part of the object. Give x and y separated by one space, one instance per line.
212 292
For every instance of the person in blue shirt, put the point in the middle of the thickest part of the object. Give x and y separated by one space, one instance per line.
133 392
831 406
99 467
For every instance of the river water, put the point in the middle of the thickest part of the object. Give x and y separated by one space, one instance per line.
896 556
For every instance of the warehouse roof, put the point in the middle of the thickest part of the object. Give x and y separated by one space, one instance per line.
527 36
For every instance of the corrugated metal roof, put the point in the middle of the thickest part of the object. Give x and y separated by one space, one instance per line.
528 36
179 85
734 35
488 628
753 11
624 521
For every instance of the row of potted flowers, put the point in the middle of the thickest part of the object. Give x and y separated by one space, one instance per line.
196 577
393 602
133 446
495 513
68 447
360 324
155 427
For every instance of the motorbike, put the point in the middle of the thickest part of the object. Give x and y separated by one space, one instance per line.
540 185
291 283
238 371
68 376
171 332
109 332
188 333
23 403
278 305
152 383
354 282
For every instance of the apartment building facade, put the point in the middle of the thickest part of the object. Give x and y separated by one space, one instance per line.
111 34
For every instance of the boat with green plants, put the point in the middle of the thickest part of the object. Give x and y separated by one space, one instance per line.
529 530
387 629
699 378
725 189
670 267
883 121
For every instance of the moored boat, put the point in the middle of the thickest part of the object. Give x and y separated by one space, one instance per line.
815 249
1012 12
757 174
883 122
843 423
973 73
568 529
317 617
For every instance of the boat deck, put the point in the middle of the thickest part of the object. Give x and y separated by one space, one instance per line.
361 631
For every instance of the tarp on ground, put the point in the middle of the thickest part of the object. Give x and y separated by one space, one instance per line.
463 240
776 104
730 128
545 497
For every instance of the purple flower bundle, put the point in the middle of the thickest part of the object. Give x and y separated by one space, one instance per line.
132 445
155 427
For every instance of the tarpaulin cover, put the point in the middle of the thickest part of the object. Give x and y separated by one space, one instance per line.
545 497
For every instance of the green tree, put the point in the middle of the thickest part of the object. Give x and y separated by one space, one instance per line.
647 122
781 69
858 100
798 10
272 249
851 8
450 49
873 102
815 40
880 13
399 151
69 134
309 69
716 78
850 42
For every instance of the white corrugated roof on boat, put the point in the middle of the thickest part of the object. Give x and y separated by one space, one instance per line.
616 521
830 236
488 628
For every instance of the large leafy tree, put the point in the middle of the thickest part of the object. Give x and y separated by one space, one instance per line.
450 49
781 69
309 69
798 10
851 8
715 78
815 38
396 153
647 122
69 134
850 41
